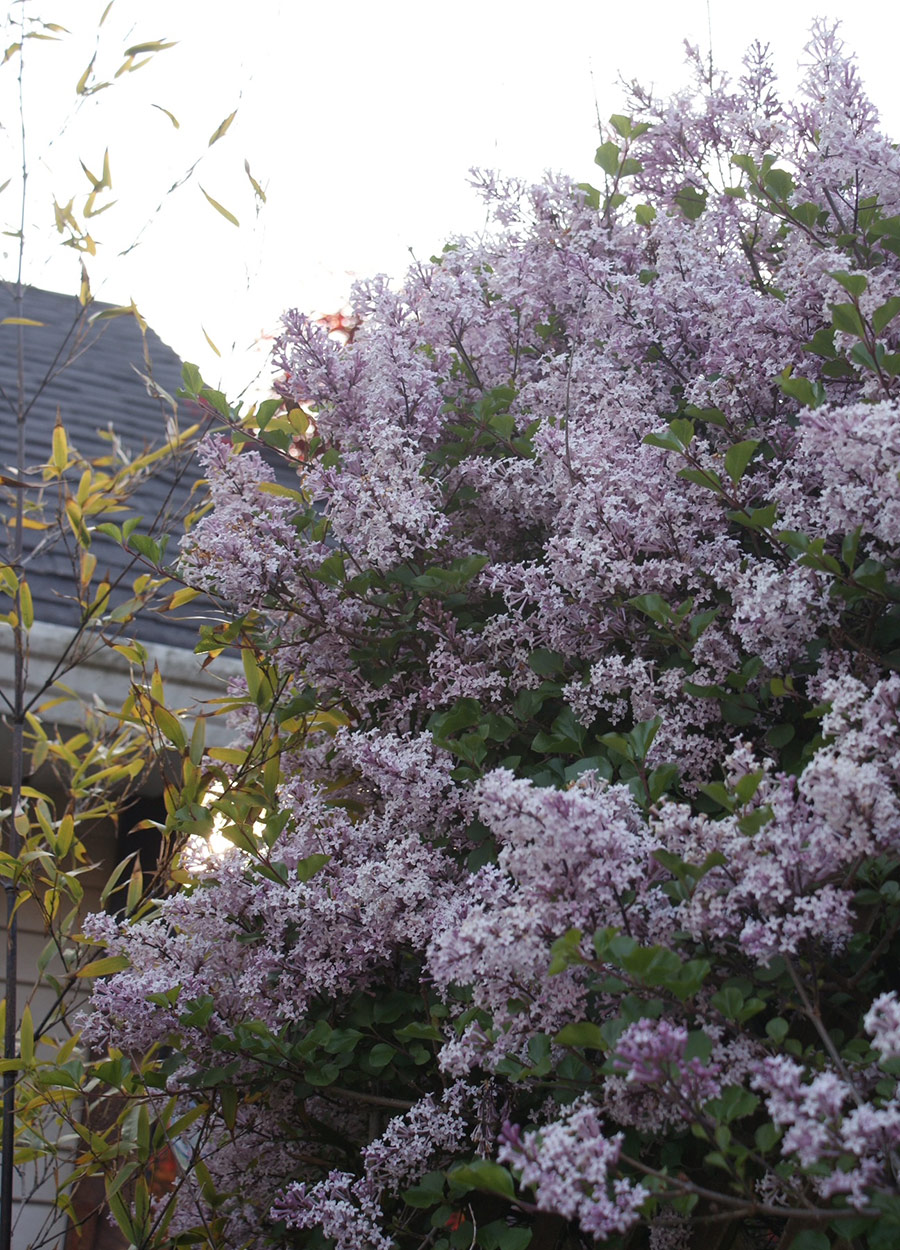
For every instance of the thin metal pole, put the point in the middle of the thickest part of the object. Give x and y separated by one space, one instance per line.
17 760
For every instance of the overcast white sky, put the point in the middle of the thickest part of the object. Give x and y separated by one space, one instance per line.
361 121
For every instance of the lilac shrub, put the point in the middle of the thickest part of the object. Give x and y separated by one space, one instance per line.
578 891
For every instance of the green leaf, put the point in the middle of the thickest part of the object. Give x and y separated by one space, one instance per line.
654 606
738 457
846 318
667 441
381 1055
607 157
499 1236
307 868
821 344
545 663
809 394
484 1175
428 1193
644 214
683 430
691 201
582 1034
565 952
767 1137
145 546
621 125
779 183
777 1030
811 1239
707 478
886 313
855 283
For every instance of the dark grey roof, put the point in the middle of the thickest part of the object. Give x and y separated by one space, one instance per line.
88 371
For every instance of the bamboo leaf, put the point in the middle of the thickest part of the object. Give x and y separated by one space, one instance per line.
20 321
170 727
222 128
220 208
153 45
26 608
205 335
198 740
171 116
26 1038
60 456
135 889
103 967
260 193
83 80
92 179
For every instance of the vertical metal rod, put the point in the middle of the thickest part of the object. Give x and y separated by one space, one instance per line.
17 760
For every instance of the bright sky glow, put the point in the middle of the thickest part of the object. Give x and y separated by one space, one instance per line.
359 120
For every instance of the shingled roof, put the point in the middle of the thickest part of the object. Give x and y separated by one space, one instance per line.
112 396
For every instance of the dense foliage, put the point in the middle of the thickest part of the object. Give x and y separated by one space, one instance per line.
566 882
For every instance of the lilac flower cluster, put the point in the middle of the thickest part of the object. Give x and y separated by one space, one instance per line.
343 1207
859 1141
597 569
568 1163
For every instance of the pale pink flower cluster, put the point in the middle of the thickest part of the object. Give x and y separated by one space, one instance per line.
568 1163
343 1207
828 1119
882 1021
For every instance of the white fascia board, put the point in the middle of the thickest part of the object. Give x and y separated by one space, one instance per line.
102 677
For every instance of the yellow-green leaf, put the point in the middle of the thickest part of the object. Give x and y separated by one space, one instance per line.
60 456
198 740
221 128
65 835
83 80
220 208
205 335
275 488
171 116
103 967
26 608
26 1037
170 727
183 596
154 45
227 755
135 889
20 321
260 193
122 310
